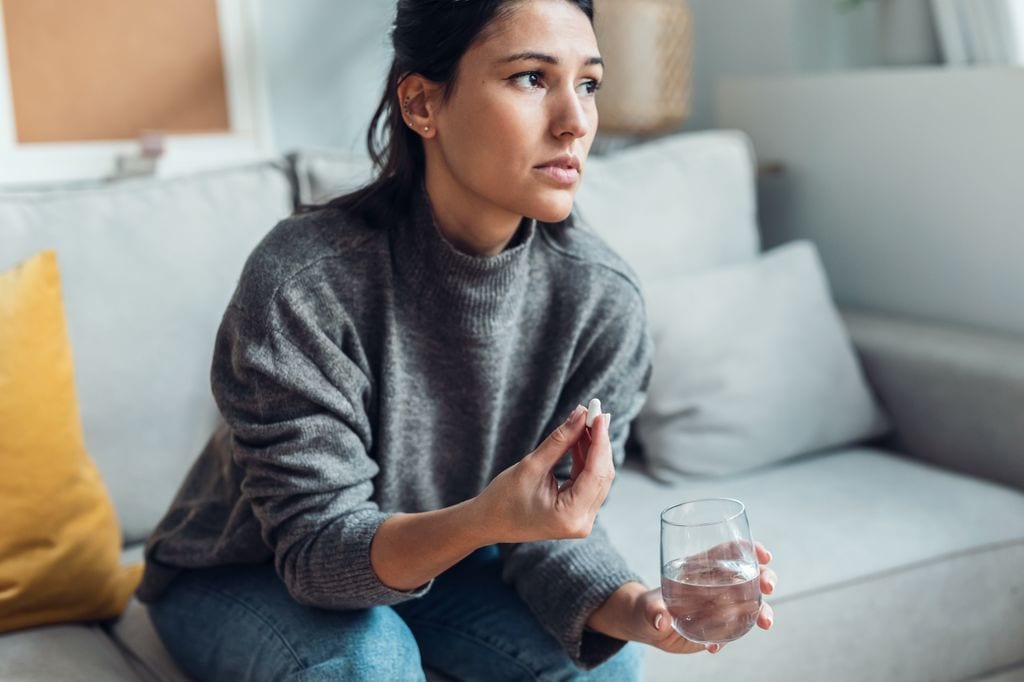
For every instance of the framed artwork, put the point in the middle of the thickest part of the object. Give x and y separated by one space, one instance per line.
87 88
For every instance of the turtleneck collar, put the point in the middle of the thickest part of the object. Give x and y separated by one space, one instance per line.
480 295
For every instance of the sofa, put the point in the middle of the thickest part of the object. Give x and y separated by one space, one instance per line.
887 477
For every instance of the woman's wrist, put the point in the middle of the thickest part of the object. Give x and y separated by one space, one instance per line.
437 540
474 523
616 616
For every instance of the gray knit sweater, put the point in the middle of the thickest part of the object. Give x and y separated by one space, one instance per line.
364 369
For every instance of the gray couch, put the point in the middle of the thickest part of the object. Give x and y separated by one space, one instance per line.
900 557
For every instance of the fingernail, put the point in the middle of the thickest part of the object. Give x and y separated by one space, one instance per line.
713 648
771 621
574 417
657 622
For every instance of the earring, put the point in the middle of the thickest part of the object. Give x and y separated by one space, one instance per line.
426 127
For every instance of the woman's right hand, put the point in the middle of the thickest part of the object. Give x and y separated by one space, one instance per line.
525 503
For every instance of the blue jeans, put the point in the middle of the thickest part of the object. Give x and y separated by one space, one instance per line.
239 623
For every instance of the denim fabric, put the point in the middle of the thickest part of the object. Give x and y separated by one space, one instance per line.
239 623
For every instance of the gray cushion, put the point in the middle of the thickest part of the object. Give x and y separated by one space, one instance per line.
889 569
950 390
134 632
147 268
322 174
752 365
69 653
681 203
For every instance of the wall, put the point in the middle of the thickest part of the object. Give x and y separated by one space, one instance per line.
326 61
773 37
909 181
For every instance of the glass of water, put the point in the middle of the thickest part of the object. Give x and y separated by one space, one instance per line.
710 578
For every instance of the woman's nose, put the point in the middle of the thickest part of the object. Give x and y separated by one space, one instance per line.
570 116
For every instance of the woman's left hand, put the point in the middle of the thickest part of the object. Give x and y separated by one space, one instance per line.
647 619
658 620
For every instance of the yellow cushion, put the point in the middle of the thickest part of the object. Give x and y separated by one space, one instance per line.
60 547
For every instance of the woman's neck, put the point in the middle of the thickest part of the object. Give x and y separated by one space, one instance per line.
469 222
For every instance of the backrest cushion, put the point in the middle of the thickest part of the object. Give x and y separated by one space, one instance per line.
148 267
677 204
322 174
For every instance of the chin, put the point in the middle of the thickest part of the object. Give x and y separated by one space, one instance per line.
553 210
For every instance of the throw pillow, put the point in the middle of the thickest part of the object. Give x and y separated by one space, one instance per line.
752 365
61 545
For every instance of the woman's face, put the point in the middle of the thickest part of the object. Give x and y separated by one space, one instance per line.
524 96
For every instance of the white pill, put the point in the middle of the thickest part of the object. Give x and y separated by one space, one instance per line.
593 410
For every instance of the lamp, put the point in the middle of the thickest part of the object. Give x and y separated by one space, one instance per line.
647 47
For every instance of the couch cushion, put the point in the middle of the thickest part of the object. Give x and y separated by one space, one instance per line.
135 633
59 552
950 389
69 653
148 267
677 204
322 173
752 365
884 565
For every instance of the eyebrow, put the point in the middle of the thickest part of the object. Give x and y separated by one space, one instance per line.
541 57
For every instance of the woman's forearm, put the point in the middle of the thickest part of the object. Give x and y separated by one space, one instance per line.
408 550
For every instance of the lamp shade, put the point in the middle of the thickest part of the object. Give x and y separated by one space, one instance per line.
647 46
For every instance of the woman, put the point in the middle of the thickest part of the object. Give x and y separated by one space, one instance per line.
395 371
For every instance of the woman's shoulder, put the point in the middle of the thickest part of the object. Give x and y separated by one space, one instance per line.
305 245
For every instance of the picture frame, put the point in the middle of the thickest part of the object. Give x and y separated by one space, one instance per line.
249 138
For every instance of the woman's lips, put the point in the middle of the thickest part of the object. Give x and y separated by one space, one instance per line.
559 175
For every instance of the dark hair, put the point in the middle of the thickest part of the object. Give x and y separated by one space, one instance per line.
429 38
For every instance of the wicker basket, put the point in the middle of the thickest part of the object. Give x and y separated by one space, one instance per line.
647 46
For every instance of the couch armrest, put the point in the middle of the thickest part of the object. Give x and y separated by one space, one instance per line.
955 394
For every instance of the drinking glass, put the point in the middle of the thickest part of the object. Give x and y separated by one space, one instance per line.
710 578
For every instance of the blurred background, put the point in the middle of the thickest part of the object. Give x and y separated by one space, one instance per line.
151 145
887 131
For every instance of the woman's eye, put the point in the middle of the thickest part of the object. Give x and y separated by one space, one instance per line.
530 78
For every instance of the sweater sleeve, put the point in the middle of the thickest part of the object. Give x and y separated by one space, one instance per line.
565 581
292 384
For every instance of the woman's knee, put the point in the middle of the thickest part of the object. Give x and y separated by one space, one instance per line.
625 666
375 644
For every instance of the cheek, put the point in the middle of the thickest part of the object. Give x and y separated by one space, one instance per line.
491 140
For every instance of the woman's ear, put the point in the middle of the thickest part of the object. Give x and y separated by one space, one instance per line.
416 97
